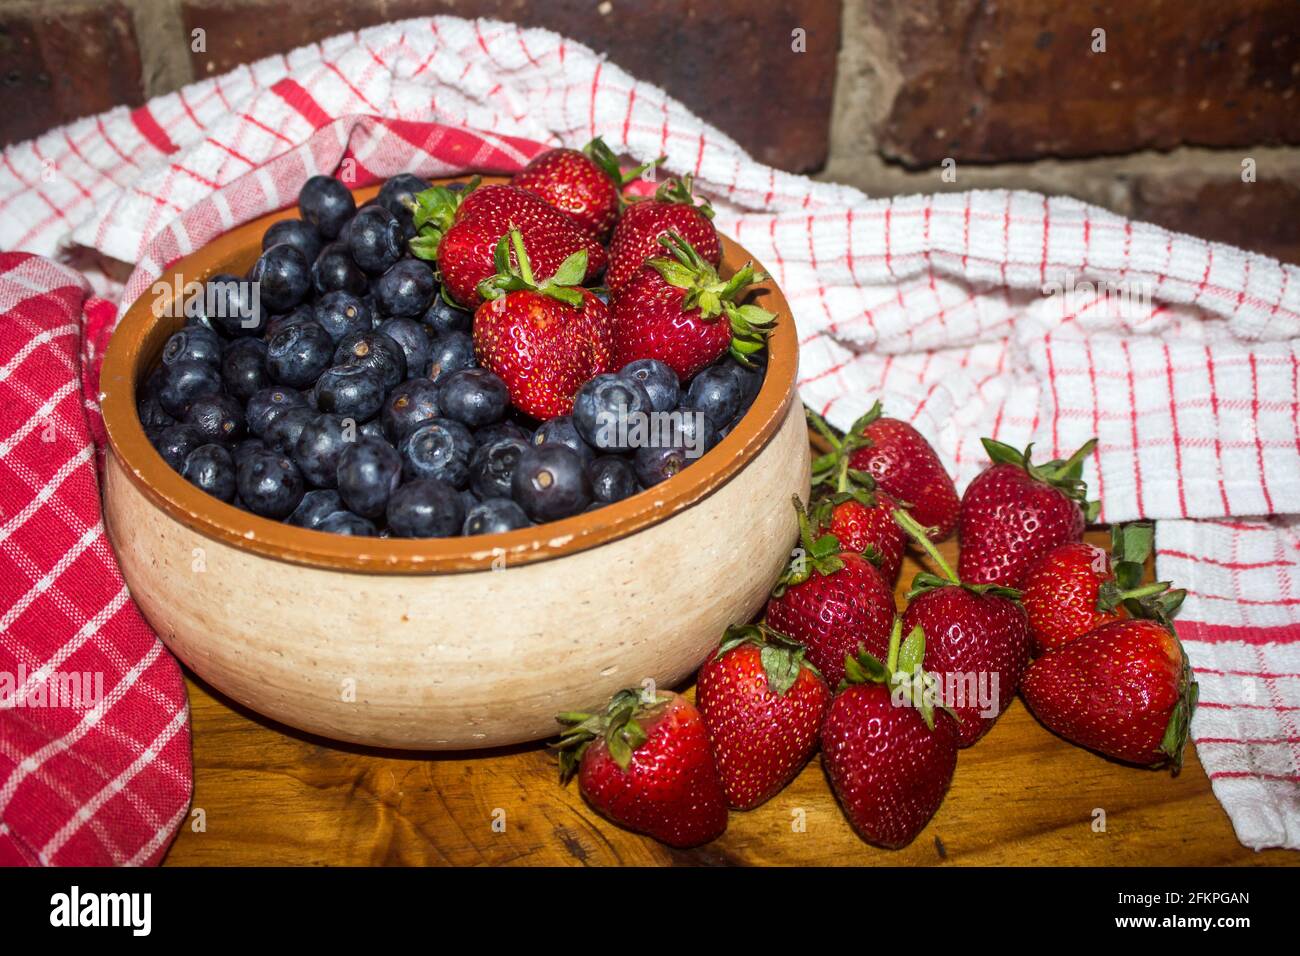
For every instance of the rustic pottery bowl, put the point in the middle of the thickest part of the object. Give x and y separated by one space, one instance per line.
446 643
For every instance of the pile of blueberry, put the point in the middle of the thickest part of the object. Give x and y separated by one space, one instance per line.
347 397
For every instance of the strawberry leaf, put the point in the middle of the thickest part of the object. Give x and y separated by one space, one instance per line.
912 652
572 270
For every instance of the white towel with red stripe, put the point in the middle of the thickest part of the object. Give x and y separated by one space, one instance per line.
983 313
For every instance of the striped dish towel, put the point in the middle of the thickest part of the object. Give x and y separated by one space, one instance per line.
986 313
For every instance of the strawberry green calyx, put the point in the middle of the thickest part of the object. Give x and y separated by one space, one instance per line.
1130 546
517 275
599 153
713 296
681 192
1063 474
617 726
899 671
832 469
927 581
1174 741
817 554
782 657
434 213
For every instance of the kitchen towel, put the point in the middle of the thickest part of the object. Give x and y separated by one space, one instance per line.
1007 314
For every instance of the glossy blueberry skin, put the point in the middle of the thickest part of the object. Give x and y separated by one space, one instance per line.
352 391
440 449
414 339
298 315
342 314
450 352
654 465
326 204
218 418
247 447
658 380
425 508
605 406
372 429
503 429
232 308
315 507
297 233
398 194
211 468
473 396
562 431
152 415
269 403
281 436
442 317
494 516
345 522
716 391
368 474
319 446
406 289
550 482
408 406
243 368
269 484
182 382
193 343
694 432
295 356
335 271
493 466
373 350
175 442
751 379
612 479
375 239
283 277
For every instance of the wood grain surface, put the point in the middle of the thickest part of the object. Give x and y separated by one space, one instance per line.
265 795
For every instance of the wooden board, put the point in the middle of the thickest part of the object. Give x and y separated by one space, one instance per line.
1021 796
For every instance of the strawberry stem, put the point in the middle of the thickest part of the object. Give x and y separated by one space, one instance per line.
922 537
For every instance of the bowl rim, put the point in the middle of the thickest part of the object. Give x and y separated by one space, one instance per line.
126 361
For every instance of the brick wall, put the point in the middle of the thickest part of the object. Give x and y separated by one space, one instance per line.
1148 107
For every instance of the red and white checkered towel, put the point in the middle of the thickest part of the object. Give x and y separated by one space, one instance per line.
983 313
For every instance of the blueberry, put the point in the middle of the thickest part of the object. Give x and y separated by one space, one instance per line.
194 343
211 468
608 410
450 352
152 414
612 479
494 516
345 522
297 233
175 442
373 350
375 239
654 465
232 307
315 507
334 271
751 380
342 314
281 436
414 340
247 447
408 406
372 429
368 474
443 317
659 381
550 482
269 484
282 276
490 433
473 396
353 391
715 391
296 355
493 466
693 432
267 404
398 197
425 508
182 382
319 446
440 449
218 418
561 431
327 204
406 289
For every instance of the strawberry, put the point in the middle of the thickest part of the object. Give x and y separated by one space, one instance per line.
762 705
646 765
544 338
586 183
461 229
889 759
901 463
1124 690
977 639
645 223
831 601
1015 511
682 313
1077 587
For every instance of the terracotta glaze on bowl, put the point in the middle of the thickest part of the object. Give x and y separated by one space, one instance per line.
446 643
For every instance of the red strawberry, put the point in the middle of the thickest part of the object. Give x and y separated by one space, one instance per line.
647 766
831 601
863 521
544 338
902 464
586 183
461 229
977 640
1015 511
762 706
682 313
637 236
1124 690
889 759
